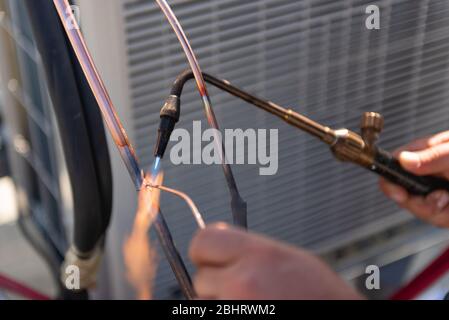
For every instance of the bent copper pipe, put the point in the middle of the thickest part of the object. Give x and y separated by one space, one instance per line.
120 138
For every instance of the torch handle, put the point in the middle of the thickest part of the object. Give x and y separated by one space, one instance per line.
388 167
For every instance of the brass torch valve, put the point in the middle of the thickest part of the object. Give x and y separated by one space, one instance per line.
363 150
346 145
360 149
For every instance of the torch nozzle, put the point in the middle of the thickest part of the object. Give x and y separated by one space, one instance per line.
170 113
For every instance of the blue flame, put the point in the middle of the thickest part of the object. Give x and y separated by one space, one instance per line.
156 167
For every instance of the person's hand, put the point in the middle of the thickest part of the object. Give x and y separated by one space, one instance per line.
233 264
428 156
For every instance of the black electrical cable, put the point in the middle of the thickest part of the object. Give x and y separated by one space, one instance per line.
80 126
4 166
81 130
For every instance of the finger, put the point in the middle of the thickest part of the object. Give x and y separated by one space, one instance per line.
219 245
441 219
208 282
416 145
432 160
439 208
433 209
424 143
394 192
439 200
426 208
429 208
439 138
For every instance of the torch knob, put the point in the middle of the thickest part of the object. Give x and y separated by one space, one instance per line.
371 126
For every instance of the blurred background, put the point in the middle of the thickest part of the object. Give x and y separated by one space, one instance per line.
315 56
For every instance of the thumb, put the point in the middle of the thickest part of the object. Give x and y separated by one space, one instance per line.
432 160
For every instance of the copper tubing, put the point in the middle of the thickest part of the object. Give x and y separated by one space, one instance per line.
290 116
193 208
120 138
99 90
237 203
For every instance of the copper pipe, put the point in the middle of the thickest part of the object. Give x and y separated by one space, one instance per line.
120 138
237 204
193 208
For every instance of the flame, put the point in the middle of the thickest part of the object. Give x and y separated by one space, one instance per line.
139 254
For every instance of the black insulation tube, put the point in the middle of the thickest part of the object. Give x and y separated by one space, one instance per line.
80 126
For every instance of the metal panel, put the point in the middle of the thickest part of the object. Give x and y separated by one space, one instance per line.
315 56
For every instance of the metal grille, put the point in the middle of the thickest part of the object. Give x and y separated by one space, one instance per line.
317 57
41 151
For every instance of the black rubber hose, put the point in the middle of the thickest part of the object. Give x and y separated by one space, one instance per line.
226 86
178 85
80 126
4 166
170 114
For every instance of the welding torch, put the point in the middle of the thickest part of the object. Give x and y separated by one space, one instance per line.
346 145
